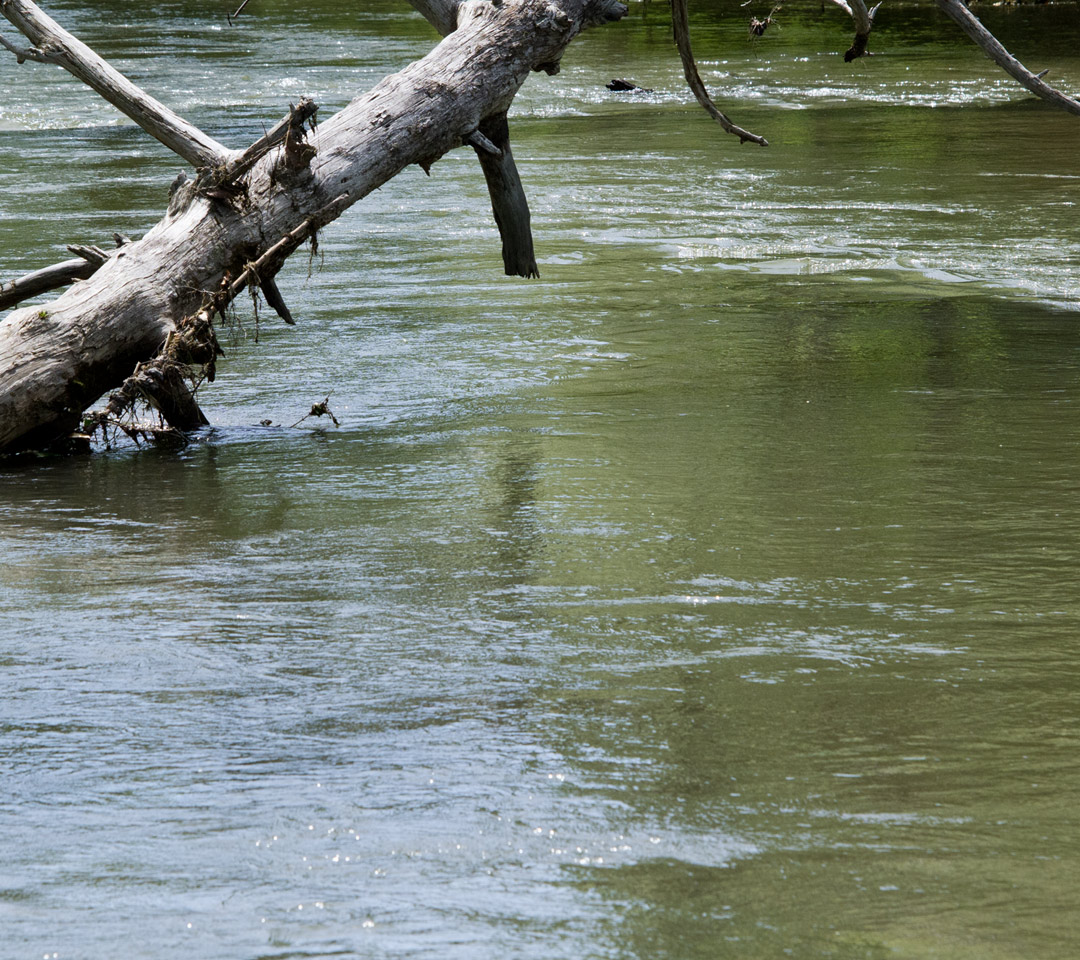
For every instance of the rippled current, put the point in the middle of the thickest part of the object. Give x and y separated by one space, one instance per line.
715 595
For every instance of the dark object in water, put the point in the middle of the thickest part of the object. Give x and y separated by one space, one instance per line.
624 86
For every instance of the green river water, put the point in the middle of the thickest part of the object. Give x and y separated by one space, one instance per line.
715 595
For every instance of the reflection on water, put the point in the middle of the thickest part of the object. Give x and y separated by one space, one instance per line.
713 595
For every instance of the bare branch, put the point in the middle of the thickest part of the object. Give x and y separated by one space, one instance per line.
990 45
236 13
58 275
864 22
482 144
41 281
56 45
681 22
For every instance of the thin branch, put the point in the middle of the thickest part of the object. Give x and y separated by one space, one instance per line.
90 258
990 45
321 409
59 46
680 21
482 144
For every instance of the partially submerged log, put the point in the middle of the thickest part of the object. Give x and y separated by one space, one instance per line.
223 231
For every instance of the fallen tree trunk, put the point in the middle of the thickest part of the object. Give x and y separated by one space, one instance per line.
226 231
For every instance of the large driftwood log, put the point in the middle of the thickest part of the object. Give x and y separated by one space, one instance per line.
58 360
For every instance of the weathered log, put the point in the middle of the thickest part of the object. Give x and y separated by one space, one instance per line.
58 360
149 306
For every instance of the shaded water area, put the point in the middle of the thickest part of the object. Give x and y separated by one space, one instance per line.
713 596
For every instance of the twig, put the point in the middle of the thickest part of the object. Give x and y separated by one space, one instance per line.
318 410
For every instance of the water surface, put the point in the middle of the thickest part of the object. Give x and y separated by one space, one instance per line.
714 595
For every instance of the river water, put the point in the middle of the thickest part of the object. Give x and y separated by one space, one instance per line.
715 595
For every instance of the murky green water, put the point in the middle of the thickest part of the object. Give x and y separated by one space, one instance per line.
714 596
